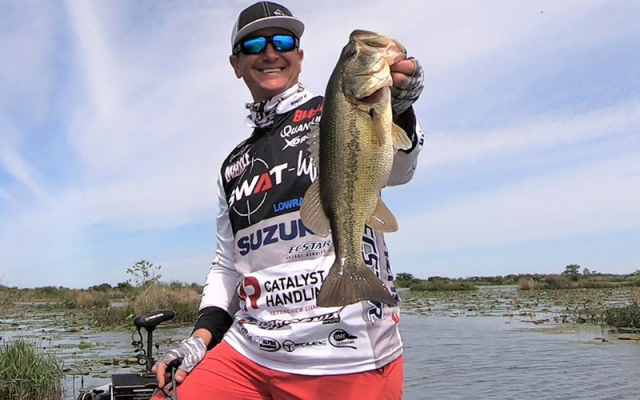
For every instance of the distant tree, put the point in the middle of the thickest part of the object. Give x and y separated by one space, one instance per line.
404 276
572 271
124 286
404 280
103 287
586 272
144 273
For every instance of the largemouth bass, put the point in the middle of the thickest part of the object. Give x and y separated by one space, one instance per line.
353 151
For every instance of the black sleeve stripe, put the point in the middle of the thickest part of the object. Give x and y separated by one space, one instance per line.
216 320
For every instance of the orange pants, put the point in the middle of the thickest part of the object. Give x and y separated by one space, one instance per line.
224 374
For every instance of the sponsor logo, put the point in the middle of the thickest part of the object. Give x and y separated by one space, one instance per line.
237 167
293 289
279 292
249 289
290 130
272 234
310 246
263 342
259 179
329 318
309 249
303 115
294 282
268 344
370 253
295 142
290 345
341 338
287 205
375 312
299 100
306 166
292 297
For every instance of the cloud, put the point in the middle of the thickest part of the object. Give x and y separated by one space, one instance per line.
538 134
20 170
591 198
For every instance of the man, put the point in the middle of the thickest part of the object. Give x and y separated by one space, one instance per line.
258 307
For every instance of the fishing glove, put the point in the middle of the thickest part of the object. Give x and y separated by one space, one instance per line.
403 97
187 355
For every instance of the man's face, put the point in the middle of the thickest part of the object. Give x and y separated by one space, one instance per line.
270 72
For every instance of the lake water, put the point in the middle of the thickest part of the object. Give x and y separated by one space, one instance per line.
503 358
450 354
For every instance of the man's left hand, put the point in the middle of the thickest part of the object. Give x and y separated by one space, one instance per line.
408 82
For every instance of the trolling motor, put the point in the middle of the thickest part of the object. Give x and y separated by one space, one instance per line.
135 386
149 321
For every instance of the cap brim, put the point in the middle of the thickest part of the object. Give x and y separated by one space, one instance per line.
292 24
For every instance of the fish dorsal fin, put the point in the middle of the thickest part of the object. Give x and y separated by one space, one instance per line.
400 138
312 213
382 220
378 124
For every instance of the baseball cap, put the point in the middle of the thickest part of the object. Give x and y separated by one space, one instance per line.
265 14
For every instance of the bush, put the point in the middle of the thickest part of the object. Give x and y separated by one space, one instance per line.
557 282
26 373
527 284
404 280
6 300
185 301
624 317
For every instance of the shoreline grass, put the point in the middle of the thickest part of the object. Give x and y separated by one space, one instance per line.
184 301
27 372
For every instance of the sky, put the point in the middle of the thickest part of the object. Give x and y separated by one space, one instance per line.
116 115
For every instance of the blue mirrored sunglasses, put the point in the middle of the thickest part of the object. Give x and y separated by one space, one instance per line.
256 45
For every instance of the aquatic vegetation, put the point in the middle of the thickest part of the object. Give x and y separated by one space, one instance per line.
527 284
6 300
27 372
627 316
557 282
113 316
185 301
441 285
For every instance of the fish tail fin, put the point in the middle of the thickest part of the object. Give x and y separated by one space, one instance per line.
341 288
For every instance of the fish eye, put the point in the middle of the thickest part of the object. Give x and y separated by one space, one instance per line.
350 53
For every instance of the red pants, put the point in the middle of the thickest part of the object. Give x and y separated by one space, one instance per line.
224 374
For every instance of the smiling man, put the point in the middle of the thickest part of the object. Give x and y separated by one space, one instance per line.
269 62
259 332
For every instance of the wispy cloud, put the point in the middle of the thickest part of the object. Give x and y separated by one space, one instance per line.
540 133
20 170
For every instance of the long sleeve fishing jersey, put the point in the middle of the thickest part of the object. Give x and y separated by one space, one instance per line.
268 267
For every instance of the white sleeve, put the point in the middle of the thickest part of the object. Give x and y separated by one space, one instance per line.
220 287
406 162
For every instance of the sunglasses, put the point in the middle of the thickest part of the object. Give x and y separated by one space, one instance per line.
256 45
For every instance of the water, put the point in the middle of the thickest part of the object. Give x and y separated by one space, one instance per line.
503 358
